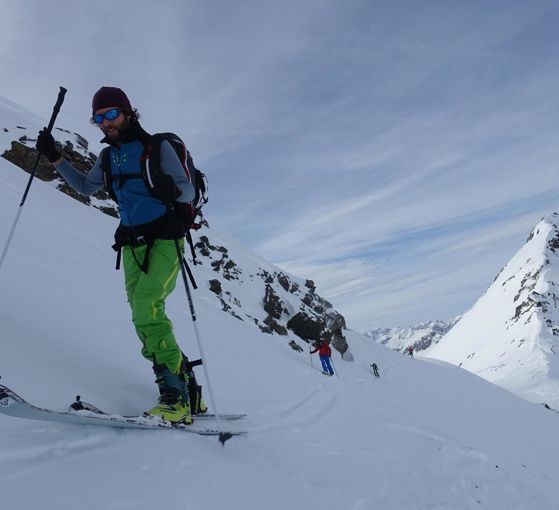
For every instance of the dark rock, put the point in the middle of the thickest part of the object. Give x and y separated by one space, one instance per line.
307 299
273 305
267 277
266 329
295 346
24 157
203 246
215 286
283 281
274 326
305 326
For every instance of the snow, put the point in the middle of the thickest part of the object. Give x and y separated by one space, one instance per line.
508 336
426 435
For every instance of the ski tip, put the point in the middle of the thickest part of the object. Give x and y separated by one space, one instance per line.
224 436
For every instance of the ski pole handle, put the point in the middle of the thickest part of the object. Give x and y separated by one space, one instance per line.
56 108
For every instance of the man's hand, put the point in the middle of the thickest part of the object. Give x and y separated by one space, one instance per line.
45 145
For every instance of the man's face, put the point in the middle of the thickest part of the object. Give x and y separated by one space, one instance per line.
113 128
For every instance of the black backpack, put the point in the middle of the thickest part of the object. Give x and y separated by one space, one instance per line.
195 176
151 161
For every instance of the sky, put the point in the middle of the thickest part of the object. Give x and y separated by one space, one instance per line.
396 152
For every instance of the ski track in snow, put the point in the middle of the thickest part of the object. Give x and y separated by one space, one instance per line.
54 445
316 404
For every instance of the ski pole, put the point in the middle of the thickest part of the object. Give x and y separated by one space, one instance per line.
310 354
334 367
224 436
55 111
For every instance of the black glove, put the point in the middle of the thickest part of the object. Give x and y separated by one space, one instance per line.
45 145
165 187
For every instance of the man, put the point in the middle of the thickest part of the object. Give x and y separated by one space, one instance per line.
152 222
325 354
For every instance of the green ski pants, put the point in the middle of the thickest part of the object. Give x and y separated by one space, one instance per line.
147 293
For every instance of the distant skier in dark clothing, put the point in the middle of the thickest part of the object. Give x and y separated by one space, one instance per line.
410 351
375 370
325 354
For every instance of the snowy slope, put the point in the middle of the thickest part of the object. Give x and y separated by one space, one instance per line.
421 337
426 435
509 336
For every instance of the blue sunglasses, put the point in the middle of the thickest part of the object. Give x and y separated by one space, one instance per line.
109 115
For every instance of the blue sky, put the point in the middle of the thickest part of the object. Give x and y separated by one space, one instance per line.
396 152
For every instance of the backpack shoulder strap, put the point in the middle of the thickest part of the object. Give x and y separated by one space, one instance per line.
177 144
105 156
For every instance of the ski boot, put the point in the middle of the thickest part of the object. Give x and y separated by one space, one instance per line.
174 404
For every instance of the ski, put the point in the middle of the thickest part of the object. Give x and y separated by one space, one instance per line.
80 405
13 405
220 416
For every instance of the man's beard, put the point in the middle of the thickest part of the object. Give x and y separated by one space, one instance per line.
116 133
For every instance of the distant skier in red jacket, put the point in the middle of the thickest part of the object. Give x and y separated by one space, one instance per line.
325 354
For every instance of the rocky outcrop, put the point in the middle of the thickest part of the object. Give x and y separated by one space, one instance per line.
288 306
273 305
24 155
312 328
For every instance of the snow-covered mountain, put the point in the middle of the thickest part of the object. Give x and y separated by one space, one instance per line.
425 435
420 337
511 335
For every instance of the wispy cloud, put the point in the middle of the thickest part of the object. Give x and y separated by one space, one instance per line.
396 152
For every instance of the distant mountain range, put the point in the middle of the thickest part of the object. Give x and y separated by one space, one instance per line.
421 337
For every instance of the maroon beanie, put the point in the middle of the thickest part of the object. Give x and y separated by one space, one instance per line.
110 96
